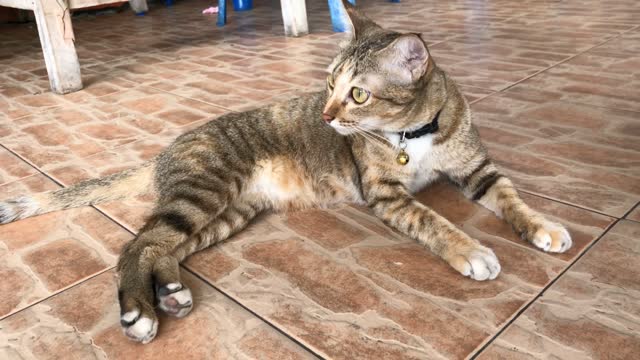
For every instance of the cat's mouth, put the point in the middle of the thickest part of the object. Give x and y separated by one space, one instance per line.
342 128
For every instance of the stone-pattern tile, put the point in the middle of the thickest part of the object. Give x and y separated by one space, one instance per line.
591 312
66 134
45 254
607 76
635 214
13 168
512 50
83 323
341 277
585 155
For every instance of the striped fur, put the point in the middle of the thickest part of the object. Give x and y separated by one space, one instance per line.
212 181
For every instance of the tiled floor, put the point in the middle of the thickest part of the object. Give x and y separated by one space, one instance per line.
555 88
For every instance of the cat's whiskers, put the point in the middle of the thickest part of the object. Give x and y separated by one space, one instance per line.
368 136
378 136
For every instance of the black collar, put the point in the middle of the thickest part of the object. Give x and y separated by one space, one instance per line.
430 128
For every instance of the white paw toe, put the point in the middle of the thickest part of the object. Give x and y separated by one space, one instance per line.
143 328
480 264
175 300
552 237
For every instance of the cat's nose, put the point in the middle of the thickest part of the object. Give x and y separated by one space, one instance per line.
328 118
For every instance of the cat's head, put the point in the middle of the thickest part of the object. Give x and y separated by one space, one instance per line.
374 80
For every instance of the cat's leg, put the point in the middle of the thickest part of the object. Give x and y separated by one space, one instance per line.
486 185
166 230
173 296
393 204
188 203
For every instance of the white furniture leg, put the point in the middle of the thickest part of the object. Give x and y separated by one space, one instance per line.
294 16
139 6
56 37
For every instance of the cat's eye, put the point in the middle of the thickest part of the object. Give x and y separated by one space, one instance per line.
359 95
330 82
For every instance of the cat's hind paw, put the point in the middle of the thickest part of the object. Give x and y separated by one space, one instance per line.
139 327
174 299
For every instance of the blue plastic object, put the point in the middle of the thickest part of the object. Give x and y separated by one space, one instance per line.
168 2
222 13
242 5
337 19
142 13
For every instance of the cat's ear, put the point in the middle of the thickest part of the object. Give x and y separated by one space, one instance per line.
359 24
407 57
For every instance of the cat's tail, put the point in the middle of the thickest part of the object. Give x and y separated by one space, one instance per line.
124 184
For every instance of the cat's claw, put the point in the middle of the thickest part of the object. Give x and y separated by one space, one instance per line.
552 237
479 264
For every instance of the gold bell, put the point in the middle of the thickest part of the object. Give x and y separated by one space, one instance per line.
402 158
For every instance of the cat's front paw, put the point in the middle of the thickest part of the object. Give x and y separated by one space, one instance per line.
551 237
477 262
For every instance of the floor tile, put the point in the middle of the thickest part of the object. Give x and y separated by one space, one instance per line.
635 214
68 133
83 323
510 51
341 272
621 11
13 168
577 153
606 76
45 254
592 312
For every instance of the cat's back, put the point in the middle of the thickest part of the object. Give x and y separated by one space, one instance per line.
292 128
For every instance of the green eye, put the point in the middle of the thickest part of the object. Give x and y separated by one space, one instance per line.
330 82
359 95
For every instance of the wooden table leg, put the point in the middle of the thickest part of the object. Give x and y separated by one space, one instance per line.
294 16
56 37
139 6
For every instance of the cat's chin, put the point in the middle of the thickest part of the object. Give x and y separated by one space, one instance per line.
344 131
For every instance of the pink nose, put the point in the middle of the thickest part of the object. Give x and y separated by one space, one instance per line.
328 118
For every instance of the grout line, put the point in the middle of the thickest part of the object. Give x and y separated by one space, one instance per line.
569 204
193 99
624 217
236 301
559 63
634 208
576 102
516 316
59 291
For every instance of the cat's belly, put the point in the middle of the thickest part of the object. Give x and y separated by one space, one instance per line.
281 183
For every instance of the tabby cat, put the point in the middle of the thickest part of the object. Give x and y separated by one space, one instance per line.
389 123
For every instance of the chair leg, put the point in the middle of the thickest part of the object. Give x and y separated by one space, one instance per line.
222 13
294 16
56 37
139 6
